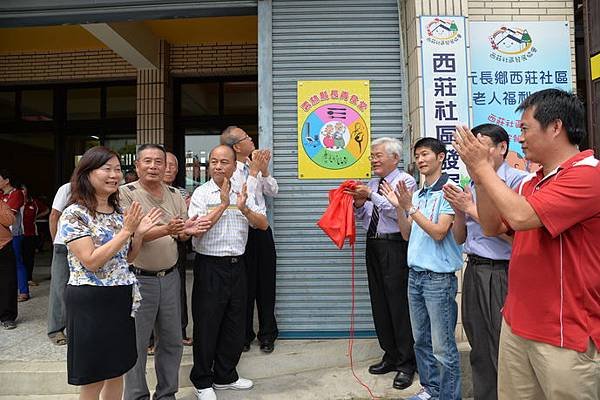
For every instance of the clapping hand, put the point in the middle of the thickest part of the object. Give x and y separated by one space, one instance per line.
175 226
474 154
461 201
197 225
149 221
404 195
389 194
241 199
132 217
224 192
259 162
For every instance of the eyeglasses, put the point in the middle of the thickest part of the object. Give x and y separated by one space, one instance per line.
242 139
378 156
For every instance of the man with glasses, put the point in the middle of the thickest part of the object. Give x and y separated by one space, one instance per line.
260 250
387 270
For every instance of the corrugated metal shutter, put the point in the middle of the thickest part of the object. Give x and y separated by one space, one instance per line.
43 12
326 40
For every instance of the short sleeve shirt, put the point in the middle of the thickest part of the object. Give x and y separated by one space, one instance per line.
229 235
493 247
15 200
554 280
160 253
425 253
77 222
61 199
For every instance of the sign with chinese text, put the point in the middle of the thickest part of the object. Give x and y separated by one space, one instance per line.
509 61
334 129
445 93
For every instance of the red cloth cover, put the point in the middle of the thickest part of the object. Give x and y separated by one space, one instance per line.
338 220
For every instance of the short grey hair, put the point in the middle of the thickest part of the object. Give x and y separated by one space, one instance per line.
228 138
391 145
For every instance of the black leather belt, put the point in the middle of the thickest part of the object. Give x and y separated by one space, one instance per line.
143 272
484 260
223 259
387 236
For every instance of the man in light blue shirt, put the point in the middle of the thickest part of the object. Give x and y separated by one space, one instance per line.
425 219
485 281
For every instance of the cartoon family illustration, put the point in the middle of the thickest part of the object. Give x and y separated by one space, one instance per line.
333 136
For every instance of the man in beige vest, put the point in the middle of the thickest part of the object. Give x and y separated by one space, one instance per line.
155 268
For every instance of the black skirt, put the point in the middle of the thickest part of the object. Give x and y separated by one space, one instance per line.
100 331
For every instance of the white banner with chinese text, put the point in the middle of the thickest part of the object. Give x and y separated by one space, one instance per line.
445 93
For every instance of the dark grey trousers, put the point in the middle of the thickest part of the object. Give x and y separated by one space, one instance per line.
159 311
57 320
485 284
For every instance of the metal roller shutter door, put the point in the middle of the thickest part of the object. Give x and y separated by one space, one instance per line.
326 40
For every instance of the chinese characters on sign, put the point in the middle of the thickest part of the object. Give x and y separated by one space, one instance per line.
509 61
445 85
334 125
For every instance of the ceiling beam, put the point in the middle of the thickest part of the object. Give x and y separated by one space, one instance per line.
131 40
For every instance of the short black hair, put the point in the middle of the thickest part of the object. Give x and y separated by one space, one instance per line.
550 105
435 145
494 132
12 178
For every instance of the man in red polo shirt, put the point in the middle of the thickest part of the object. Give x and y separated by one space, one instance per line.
551 331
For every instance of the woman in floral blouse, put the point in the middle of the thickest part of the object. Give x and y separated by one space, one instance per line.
102 294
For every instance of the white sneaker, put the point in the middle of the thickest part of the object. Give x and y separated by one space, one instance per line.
422 395
206 394
240 384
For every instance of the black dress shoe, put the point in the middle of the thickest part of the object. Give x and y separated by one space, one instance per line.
382 367
402 380
267 347
246 347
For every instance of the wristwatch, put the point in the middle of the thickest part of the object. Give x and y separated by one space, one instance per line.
412 210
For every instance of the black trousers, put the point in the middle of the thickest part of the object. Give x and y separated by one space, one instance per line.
387 272
8 284
181 262
485 284
29 245
261 260
219 313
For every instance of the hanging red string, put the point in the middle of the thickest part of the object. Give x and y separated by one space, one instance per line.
338 223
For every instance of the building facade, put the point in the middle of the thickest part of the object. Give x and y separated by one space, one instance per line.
124 72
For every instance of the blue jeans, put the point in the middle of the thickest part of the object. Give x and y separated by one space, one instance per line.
433 313
17 244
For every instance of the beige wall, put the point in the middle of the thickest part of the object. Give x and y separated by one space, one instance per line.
50 67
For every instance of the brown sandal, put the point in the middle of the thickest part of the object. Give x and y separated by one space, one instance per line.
22 297
58 339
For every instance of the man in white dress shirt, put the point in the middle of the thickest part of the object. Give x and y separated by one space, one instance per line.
260 255
219 292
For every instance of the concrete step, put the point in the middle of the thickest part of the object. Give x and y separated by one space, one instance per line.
290 356
297 369
322 384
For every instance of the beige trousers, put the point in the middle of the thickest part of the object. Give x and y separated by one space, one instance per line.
530 370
